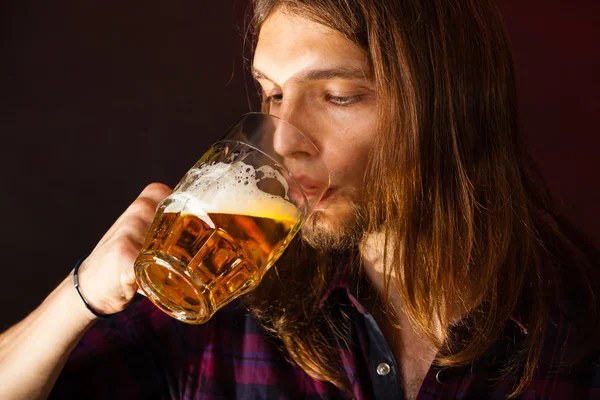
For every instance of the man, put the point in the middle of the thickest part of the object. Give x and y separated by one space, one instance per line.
436 268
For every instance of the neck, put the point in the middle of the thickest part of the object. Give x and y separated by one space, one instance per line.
377 298
372 252
413 352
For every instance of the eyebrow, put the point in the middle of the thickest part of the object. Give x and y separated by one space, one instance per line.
321 74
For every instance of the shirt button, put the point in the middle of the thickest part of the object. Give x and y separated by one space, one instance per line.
383 369
442 375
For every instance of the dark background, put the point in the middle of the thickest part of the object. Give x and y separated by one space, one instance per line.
97 99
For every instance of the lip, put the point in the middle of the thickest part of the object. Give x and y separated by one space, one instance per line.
324 198
309 193
311 188
309 185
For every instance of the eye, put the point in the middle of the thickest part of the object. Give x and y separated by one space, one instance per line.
274 98
343 100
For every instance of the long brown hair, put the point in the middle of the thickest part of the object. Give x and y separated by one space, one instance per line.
450 183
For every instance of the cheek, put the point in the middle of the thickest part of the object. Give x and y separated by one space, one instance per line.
343 134
349 147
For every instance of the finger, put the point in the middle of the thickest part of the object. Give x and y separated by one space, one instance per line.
135 229
144 206
156 192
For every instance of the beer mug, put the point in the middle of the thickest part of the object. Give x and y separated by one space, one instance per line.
230 217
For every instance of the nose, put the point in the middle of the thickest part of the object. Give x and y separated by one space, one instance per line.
289 139
301 155
289 142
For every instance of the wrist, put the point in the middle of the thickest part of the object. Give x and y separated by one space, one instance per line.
64 307
75 278
72 302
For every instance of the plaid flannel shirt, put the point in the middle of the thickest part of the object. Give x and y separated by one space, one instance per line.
141 353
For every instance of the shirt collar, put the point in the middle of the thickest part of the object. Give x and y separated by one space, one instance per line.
344 279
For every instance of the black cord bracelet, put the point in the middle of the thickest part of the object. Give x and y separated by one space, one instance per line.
76 284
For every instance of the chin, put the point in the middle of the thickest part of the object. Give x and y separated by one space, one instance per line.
337 226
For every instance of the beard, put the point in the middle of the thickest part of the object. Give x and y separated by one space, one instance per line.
338 227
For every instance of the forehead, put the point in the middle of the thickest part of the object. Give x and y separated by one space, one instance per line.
289 44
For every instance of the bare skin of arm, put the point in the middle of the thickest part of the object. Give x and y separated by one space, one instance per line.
34 351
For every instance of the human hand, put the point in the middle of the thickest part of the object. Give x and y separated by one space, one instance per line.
106 277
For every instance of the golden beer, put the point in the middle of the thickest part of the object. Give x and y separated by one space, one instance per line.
195 264
230 217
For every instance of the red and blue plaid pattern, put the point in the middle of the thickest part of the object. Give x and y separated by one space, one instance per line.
142 353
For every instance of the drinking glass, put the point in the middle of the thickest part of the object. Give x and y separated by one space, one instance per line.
230 217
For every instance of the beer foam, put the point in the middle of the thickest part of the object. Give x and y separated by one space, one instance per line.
231 189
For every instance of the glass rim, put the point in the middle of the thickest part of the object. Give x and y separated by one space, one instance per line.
295 181
275 117
229 133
